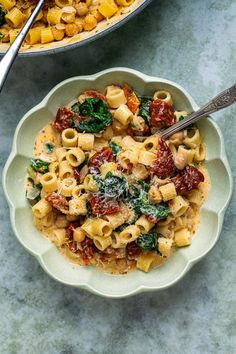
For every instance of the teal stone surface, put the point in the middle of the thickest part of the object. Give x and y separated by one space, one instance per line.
194 44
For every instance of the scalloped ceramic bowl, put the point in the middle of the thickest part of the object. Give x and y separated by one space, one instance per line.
88 277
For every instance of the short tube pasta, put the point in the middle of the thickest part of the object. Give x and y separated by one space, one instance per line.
60 154
168 191
67 186
140 172
77 206
150 144
78 234
182 238
42 208
65 170
129 234
69 137
75 157
200 153
8 4
165 246
163 96
97 227
90 184
108 167
147 261
14 17
115 220
102 243
49 182
123 114
192 138
86 141
115 96
179 206
144 224
146 158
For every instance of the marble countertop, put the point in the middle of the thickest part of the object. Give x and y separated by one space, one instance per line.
192 43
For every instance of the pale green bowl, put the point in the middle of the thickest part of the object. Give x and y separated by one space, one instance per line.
88 277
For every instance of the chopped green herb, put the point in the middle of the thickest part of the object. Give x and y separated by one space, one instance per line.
181 118
115 148
97 114
39 165
49 147
1 35
149 241
144 109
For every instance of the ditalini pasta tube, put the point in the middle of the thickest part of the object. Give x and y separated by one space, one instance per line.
115 96
42 208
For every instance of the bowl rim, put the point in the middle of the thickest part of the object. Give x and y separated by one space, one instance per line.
222 156
85 41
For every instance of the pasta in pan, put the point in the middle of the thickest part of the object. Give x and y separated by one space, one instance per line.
122 198
57 19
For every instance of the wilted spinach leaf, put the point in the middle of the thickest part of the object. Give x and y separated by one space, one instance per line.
148 242
144 109
97 114
39 165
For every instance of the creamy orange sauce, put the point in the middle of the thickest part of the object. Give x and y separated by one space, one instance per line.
47 135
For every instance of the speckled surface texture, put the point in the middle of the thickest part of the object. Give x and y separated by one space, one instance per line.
192 43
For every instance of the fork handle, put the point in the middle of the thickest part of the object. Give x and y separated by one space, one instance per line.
224 99
9 57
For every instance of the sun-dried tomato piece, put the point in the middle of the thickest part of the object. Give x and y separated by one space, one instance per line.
58 201
95 94
133 250
88 250
64 119
162 114
164 165
104 206
70 230
101 157
132 99
187 179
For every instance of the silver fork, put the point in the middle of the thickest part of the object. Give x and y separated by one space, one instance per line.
9 57
224 99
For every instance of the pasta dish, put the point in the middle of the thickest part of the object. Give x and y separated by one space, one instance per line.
107 191
58 19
